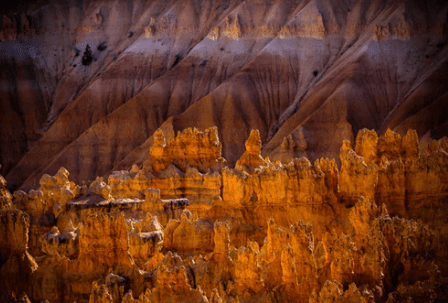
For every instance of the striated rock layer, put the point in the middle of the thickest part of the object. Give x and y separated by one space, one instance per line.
85 84
186 227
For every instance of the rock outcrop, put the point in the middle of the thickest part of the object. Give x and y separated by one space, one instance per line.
16 262
187 166
372 230
161 207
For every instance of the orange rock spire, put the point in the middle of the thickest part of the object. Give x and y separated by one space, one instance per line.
195 230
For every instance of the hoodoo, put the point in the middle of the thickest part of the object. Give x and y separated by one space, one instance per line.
195 229
223 151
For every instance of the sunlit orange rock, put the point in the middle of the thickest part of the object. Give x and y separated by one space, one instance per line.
66 244
190 147
333 291
17 265
356 177
251 161
188 166
369 231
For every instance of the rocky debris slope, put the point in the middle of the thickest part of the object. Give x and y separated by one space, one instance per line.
184 226
86 84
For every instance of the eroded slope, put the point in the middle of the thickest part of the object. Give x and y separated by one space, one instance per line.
184 226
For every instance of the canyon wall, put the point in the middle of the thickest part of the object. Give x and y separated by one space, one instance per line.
85 84
186 226
223 151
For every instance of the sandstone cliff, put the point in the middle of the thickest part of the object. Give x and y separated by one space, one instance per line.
186 226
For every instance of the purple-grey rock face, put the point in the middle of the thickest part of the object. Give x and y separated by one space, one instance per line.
84 84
